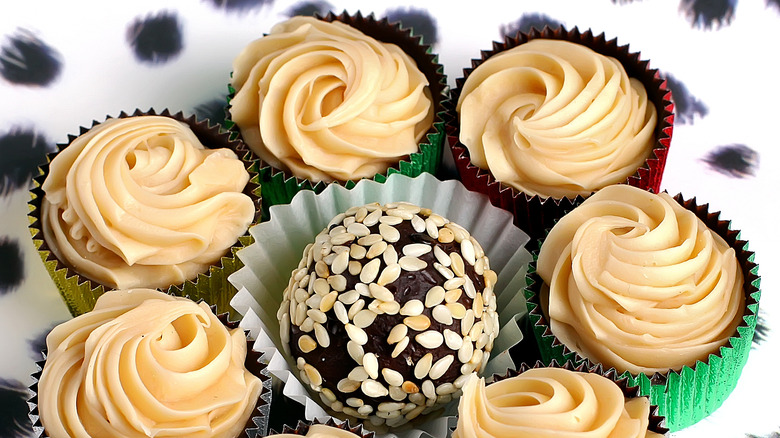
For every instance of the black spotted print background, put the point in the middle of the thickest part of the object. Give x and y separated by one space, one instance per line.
66 63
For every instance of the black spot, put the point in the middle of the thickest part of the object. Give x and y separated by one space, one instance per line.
309 8
706 14
240 5
735 160
419 20
26 60
14 422
22 151
526 22
156 39
762 330
11 265
686 106
213 110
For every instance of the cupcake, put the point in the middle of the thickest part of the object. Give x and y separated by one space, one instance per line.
145 363
292 227
654 287
546 118
143 201
417 285
328 429
338 98
556 401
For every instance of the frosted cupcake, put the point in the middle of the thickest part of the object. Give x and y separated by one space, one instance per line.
551 116
654 287
337 99
144 363
145 200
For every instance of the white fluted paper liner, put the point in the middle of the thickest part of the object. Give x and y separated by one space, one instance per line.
279 245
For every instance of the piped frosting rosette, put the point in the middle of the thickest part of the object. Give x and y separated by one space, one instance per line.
338 98
545 118
144 363
654 287
555 401
262 281
142 201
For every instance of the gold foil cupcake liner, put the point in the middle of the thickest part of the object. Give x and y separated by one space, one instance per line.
291 227
302 428
534 214
280 186
256 425
80 293
690 394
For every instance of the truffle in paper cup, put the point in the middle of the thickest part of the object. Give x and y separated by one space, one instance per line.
302 428
655 423
534 212
280 183
268 267
80 291
257 422
688 393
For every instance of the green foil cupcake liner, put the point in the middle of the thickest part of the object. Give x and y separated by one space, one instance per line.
80 293
690 394
256 425
279 186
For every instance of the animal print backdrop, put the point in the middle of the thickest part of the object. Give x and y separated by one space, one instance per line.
63 64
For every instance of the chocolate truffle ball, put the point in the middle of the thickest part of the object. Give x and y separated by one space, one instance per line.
389 311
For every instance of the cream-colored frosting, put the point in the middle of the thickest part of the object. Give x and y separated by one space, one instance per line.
140 202
327 102
550 402
144 363
639 283
554 118
319 431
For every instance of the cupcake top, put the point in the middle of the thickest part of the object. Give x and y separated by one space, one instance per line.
555 119
319 431
144 363
389 311
639 283
551 402
326 102
141 202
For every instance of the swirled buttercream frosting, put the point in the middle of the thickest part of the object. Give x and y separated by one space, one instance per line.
141 202
639 283
555 118
551 402
327 102
319 431
146 364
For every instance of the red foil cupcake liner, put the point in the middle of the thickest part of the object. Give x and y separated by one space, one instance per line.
80 292
534 214
690 394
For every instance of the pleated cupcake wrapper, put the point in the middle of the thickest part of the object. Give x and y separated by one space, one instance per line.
80 292
656 422
690 394
280 243
302 428
533 214
280 186
256 425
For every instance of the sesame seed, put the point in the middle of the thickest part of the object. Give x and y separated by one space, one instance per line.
370 271
397 334
400 347
412 264
430 339
389 233
412 308
434 296
356 334
423 366
416 249
306 344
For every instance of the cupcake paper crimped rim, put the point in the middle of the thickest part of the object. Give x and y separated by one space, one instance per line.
80 292
280 186
257 424
281 240
534 213
690 394
302 428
